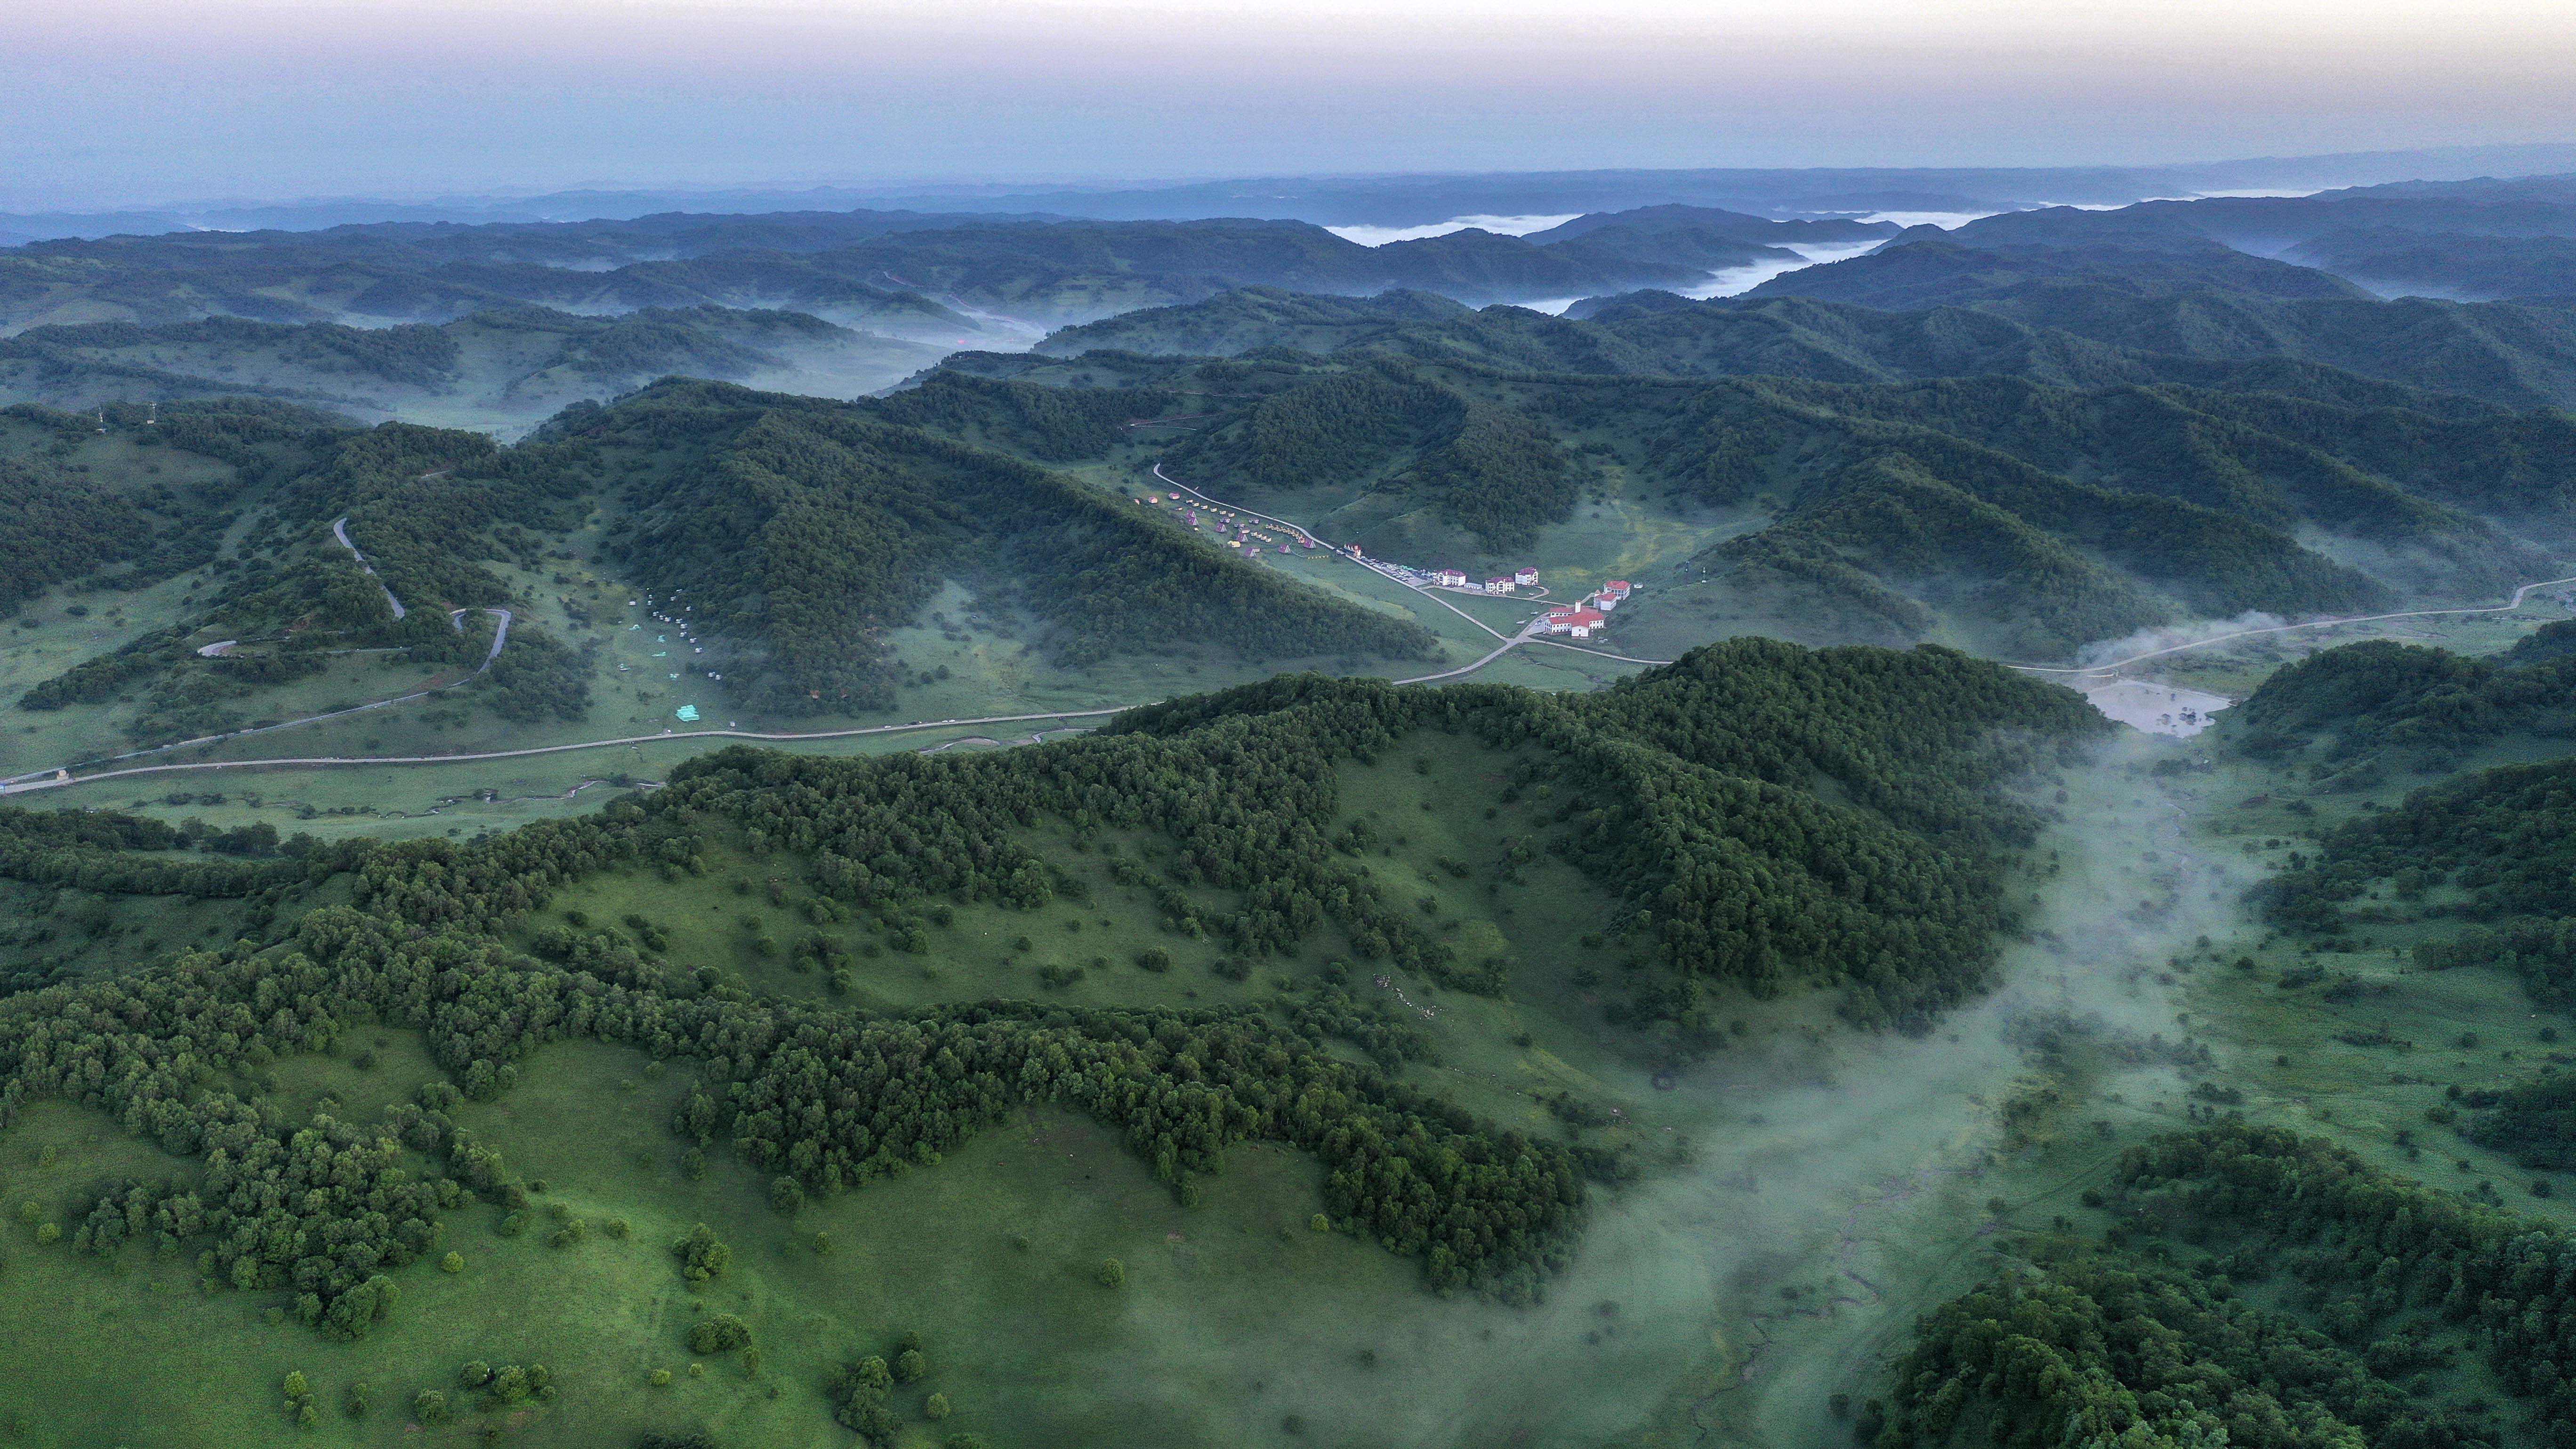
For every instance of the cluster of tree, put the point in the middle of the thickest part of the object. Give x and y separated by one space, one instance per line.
103 676
427 505
2127 1346
2407 704
860 1389
537 677
120 854
2534 1121
1491 470
2115 1348
2504 840
56 526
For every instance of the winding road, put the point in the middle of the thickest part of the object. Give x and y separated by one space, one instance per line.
59 776
340 531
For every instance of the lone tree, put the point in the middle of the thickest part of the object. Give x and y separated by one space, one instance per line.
703 1256
1112 1273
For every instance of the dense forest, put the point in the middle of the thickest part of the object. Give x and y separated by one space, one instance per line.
2160 1335
2361 706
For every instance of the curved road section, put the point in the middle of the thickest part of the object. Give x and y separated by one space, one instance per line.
61 776
340 531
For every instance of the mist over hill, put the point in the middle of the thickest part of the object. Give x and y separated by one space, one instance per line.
949 284
505 369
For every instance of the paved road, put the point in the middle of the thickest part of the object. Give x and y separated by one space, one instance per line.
2504 608
340 531
667 735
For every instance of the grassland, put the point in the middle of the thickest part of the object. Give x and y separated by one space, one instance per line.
1236 1317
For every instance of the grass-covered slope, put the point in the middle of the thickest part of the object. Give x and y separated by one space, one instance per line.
699 1101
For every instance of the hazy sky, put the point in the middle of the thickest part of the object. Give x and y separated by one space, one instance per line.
120 101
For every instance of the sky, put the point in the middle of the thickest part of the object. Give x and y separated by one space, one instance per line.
122 102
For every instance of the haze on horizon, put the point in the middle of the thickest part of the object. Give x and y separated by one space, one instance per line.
124 102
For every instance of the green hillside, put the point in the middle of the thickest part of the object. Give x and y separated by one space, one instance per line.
713 1110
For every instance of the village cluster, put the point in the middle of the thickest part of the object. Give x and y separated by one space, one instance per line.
1583 619
1252 532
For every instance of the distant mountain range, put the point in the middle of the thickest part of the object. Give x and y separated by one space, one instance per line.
2474 240
1395 200
1932 309
955 284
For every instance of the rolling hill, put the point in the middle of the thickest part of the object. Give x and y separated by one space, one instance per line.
509 369
2027 518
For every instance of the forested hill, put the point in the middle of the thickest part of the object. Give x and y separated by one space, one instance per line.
1937 270
2027 519
2363 708
2445 357
1756 821
511 368
1247 319
2480 239
2260 1290
1039 273
803 531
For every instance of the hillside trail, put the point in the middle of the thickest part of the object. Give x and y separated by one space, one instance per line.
58 776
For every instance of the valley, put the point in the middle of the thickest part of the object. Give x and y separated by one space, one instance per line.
1310 856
